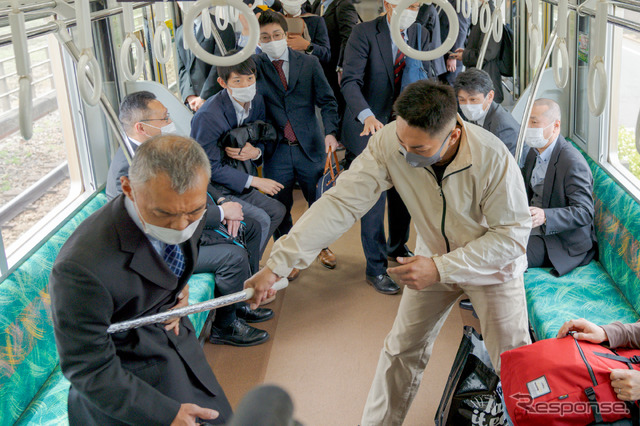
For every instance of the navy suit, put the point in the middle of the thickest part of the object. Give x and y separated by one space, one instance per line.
463 30
568 236
307 88
215 118
368 82
319 37
193 72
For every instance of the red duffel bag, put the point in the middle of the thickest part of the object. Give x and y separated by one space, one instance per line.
564 382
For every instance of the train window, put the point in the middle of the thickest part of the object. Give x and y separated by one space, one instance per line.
625 92
37 176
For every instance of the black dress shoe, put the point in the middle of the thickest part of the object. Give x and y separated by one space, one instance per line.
253 315
402 253
238 333
383 284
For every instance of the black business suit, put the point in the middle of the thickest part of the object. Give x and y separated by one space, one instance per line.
107 272
463 30
501 123
340 18
568 234
192 72
368 82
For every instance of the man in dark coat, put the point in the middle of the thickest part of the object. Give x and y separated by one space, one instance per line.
132 258
560 187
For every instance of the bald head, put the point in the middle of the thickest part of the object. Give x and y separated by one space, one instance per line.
547 110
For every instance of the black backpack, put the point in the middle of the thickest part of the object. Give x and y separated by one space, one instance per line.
505 59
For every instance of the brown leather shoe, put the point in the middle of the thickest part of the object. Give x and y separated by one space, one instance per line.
327 258
294 274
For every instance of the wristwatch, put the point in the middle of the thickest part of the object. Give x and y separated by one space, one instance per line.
309 49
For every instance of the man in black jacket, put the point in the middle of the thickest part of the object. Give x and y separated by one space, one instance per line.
131 258
560 187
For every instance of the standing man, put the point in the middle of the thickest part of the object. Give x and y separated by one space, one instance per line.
475 93
293 84
453 63
466 197
340 16
560 187
133 257
314 39
371 82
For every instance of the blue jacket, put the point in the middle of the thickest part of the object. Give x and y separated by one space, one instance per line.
215 118
307 88
319 37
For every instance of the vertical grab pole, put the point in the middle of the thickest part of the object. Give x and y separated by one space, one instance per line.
23 69
496 19
596 68
87 58
537 77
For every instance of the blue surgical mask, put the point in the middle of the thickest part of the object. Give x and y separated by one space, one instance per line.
416 160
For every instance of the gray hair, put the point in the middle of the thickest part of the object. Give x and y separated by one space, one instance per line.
553 112
180 158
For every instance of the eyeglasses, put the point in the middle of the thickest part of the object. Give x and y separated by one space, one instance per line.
165 119
265 38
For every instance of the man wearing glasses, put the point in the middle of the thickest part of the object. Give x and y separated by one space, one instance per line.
467 199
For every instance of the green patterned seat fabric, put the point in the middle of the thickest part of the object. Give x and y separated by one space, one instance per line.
586 292
27 347
49 407
200 289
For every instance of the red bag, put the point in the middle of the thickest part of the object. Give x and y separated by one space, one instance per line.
564 382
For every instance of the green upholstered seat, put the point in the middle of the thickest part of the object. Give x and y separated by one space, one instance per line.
586 292
32 387
603 291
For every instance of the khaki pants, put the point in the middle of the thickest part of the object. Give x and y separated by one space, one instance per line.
502 310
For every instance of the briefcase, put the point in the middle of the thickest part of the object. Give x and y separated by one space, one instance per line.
330 174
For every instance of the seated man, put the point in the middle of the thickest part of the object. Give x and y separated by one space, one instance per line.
560 187
474 89
293 84
230 263
228 109
133 257
625 382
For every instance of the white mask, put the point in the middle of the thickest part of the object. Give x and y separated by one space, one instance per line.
169 129
292 8
275 49
242 94
407 18
534 137
168 235
473 112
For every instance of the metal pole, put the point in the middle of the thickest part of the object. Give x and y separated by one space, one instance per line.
208 305
537 77
615 20
105 105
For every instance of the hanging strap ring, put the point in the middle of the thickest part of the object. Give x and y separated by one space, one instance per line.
125 64
162 54
597 104
561 63
91 97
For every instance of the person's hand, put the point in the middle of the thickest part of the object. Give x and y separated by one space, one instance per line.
232 210
339 77
416 272
330 144
268 186
189 412
261 283
537 216
457 55
585 330
371 126
452 63
183 300
247 152
626 384
297 42
195 102
232 226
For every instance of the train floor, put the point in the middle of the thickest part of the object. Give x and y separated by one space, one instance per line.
325 342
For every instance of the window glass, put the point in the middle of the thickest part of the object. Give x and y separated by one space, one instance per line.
582 66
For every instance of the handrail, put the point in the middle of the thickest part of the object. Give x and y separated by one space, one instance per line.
112 118
130 40
612 19
560 51
596 67
87 58
535 83
163 55
496 20
428 55
23 70
535 34
198 51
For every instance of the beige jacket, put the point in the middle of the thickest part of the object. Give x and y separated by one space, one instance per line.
475 227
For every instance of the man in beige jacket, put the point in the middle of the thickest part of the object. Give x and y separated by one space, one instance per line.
467 199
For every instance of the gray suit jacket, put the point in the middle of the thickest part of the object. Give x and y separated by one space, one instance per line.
107 272
567 200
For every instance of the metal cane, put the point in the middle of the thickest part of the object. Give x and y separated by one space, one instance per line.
207 305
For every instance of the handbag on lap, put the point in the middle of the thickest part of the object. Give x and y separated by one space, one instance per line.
255 132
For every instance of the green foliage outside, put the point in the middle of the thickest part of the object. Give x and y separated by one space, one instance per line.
627 152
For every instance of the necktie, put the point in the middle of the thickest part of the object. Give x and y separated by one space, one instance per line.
322 9
174 259
398 66
288 130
